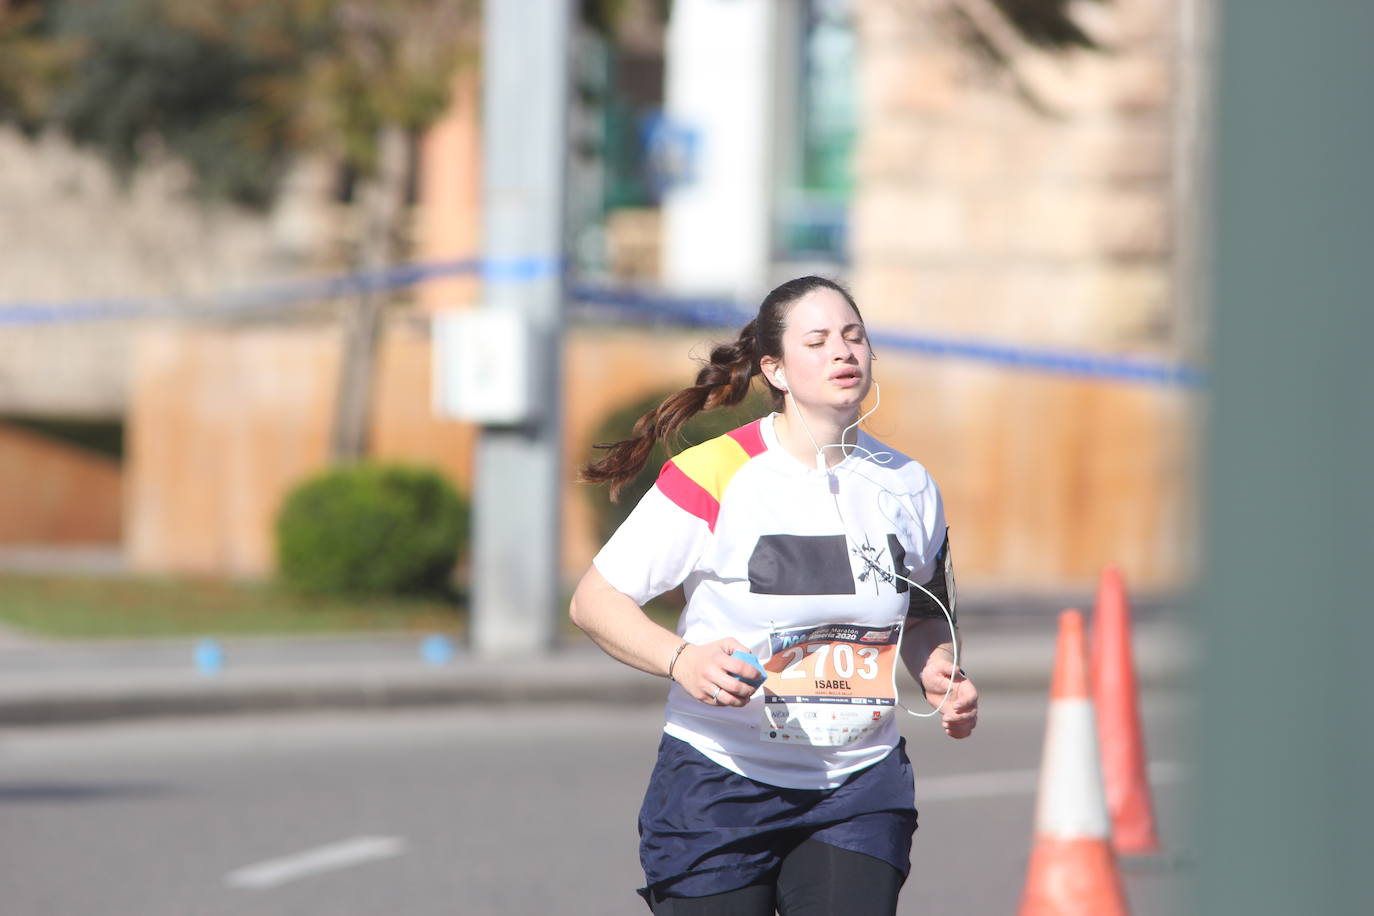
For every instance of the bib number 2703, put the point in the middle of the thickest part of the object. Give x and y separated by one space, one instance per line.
829 685
830 660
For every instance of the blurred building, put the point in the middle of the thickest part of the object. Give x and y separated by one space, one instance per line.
974 173
1012 175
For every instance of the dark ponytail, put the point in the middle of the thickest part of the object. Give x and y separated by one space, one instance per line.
722 382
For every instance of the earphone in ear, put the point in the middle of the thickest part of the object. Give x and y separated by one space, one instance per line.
780 380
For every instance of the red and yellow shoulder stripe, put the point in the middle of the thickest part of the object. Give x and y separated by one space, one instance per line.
696 479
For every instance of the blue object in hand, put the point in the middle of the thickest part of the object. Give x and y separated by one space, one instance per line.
752 659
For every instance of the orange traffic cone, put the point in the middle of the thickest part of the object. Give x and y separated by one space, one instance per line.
1072 869
1118 722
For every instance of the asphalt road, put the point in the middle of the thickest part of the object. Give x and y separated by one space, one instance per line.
513 810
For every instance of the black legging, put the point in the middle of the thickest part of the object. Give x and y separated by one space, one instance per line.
816 879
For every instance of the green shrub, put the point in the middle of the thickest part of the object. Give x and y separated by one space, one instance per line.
372 528
617 426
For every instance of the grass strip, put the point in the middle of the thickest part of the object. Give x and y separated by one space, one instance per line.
94 608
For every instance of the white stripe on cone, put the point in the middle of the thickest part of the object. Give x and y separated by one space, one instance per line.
1071 801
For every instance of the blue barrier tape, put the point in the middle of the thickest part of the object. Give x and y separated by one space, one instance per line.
271 295
82 310
690 310
1058 361
519 270
498 270
595 301
728 314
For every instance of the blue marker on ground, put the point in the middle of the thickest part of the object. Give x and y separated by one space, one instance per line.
209 657
437 649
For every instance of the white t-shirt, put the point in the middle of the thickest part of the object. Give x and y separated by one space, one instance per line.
762 542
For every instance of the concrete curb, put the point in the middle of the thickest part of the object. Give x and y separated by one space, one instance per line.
293 692
48 683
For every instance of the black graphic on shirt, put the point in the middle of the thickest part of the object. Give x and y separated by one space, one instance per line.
794 564
898 552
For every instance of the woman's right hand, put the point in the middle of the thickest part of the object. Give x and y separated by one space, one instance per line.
707 672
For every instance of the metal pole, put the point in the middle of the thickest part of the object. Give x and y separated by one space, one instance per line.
517 590
1283 701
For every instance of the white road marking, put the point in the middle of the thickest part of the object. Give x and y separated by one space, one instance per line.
344 854
996 783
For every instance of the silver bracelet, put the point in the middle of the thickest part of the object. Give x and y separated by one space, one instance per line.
684 645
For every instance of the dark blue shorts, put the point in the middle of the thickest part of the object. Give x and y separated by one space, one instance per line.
706 830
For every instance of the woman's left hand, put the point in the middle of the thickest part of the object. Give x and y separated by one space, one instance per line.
960 713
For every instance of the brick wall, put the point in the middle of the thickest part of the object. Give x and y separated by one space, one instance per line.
223 422
1073 474
55 493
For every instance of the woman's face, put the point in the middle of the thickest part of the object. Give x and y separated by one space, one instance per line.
826 361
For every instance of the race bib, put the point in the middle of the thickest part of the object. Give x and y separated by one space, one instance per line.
829 685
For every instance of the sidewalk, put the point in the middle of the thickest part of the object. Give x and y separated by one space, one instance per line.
52 682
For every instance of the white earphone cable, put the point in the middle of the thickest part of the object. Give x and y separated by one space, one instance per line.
881 458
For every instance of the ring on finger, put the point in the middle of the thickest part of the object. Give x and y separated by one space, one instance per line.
715 697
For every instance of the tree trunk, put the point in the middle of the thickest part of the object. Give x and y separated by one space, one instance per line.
381 200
